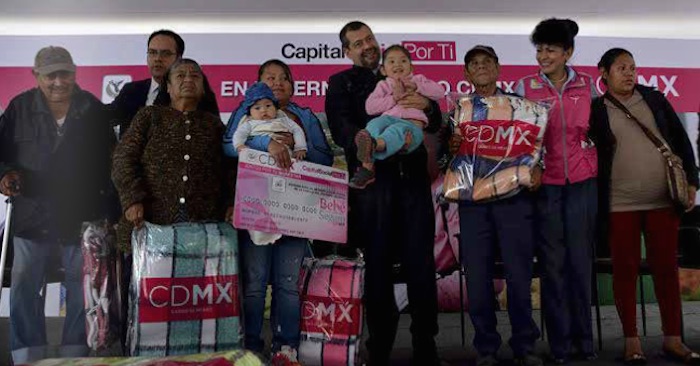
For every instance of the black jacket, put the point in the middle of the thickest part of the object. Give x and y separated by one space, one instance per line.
393 219
130 100
64 181
669 126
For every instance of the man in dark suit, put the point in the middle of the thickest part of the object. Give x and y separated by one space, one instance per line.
164 47
392 219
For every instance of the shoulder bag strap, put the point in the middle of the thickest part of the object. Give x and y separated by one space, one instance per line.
660 145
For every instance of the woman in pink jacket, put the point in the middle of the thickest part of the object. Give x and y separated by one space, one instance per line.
398 128
567 200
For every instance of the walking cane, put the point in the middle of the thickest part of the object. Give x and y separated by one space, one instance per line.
5 239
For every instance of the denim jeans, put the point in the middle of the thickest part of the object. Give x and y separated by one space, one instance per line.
27 319
278 263
393 131
567 221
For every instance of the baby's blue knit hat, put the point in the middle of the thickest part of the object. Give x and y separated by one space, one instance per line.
256 92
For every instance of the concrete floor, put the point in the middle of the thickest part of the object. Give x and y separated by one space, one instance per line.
452 352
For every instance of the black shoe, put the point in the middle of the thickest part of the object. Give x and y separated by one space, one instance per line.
487 360
529 360
635 359
559 360
424 351
362 178
584 353
430 362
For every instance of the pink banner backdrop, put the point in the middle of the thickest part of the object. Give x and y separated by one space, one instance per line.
311 81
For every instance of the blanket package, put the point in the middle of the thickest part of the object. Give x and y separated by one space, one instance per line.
331 311
502 142
184 292
226 358
103 316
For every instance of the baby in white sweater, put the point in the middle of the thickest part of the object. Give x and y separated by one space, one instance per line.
263 118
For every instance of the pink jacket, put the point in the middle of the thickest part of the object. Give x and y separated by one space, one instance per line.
569 153
381 101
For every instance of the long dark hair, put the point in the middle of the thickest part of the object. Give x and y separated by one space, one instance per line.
207 103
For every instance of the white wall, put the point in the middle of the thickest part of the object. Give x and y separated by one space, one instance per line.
618 18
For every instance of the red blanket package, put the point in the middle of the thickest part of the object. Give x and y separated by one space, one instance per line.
331 318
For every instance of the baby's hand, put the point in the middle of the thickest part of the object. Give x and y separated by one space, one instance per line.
398 90
240 148
409 85
300 155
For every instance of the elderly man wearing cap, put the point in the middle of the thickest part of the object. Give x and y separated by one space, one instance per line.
55 156
486 228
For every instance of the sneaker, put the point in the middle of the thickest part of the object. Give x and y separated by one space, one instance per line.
365 146
529 360
286 356
487 360
362 178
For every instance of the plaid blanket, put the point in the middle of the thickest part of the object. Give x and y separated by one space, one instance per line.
331 325
227 358
184 290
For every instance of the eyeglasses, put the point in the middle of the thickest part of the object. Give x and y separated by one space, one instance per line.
162 53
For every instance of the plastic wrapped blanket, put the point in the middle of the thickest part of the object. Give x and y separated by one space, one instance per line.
3 207
184 290
331 311
502 141
446 245
228 358
101 287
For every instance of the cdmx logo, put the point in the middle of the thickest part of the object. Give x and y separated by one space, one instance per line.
320 311
267 159
264 159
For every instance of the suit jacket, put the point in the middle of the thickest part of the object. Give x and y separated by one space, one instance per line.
130 100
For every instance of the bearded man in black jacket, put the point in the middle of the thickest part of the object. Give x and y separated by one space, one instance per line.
392 219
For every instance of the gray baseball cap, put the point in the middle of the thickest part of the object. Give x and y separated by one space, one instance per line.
51 59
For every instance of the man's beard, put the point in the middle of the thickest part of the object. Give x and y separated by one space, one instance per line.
370 64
